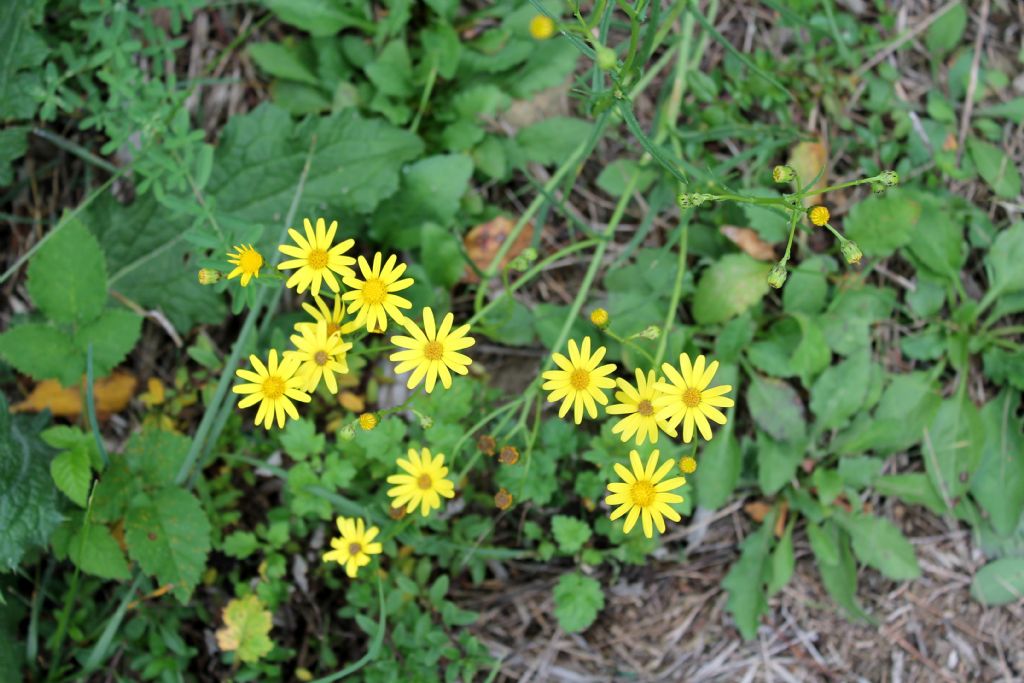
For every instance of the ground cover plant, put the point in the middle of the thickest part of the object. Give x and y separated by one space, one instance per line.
454 341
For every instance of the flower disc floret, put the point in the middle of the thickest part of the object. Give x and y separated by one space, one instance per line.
247 262
636 404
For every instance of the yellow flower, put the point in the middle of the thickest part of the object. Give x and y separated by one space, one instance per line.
368 421
355 546
637 404
688 465
333 317
247 262
819 215
688 400
316 257
432 352
599 317
321 355
643 494
579 381
373 298
273 387
423 483
542 27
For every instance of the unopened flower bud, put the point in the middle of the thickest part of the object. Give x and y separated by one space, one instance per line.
523 260
503 499
599 317
650 332
777 276
889 178
851 252
606 58
683 200
819 215
509 455
687 465
347 433
426 422
783 174
208 276
368 421
878 188
487 444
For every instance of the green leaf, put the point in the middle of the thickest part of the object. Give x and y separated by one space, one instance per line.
247 624
879 544
95 551
156 455
570 533
914 488
812 354
998 485
839 392
953 446
823 543
728 287
715 484
947 31
1004 259
430 192
72 475
783 562
282 61
23 51
28 498
578 599
391 72
240 544
828 484
300 439
317 17
442 256
745 582
168 534
1000 582
943 251
112 335
776 408
68 277
615 177
840 574
881 226
13 143
116 488
776 463
806 289
42 352
998 169
553 140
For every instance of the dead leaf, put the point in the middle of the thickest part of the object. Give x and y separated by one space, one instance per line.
808 159
749 241
154 394
483 242
757 510
352 402
950 143
780 521
111 394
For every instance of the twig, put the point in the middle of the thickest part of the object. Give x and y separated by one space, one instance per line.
972 85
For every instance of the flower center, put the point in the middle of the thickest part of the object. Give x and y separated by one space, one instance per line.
321 358
374 291
642 492
425 482
645 408
354 548
273 387
433 350
691 397
250 261
317 259
579 379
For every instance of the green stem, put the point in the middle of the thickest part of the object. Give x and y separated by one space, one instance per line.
677 290
631 344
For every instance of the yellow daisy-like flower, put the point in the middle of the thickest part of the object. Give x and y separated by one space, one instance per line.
644 495
432 352
321 355
373 298
689 400
274 387
819 215
247 262
355 546
542 27
579 381
637 404
316 257
423 483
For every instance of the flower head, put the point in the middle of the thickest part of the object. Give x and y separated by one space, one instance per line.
637 404
373 298
331 316
819 215
542 27
579 381
599 317
783 174
687 465
368 421
208 276
487 444
355 546
778 274
274 387
508 455
686 397
247 262
322 355
889 178
643 494
422 484
316 257
432 352
851 252
503 499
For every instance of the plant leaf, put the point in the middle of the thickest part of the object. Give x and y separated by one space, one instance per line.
246 629
68 277
72 475
578 599
42 352
728 287
999 582
879 544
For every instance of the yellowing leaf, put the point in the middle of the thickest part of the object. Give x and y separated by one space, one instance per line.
749 241
155 394
111 394
246 629
808 159
352 402
483 242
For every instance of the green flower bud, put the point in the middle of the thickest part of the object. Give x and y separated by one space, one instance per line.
777 276
347 433
650 332
606 58
878 188
683 200
783 174
426 422
851 252
889 178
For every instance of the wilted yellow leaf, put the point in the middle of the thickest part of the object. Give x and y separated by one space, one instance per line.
808 159
352 402
154 394
246 629
483 242
111 394
749 241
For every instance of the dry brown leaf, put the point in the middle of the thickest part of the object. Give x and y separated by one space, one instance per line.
808 159
949 144
111 394
483 242
352 402
749 241
757 510
780 521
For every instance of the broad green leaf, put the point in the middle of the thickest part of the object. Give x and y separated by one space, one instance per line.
716 482
952 447
859 472
839 392
168 534
823 543
570 533
881 226
827 483
547 66
947 30
13 143
728 287
806 289
42 352
282 61
614 178
112 335
442 255
999 582
578 599
745 582
776 408
156 455
318 17
998 169
776 463
28 498
782 561
442 48
879 544
391 71
812 354
302 503
1004 260
839 575
23 51
430 192
116 488
553 140
943 250
68 277
998 485
1004 367
300 439
906 408
95 551
240 544
72 475
914 488
246 631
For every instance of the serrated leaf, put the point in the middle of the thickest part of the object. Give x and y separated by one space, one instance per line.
240 544
999 582
578 600
112 335
68 277
168 534
570 533
72 475
301 440
155 455
944 251
879 544
42 352
95 551
776 408
728 287
115 490
246 630
28 498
